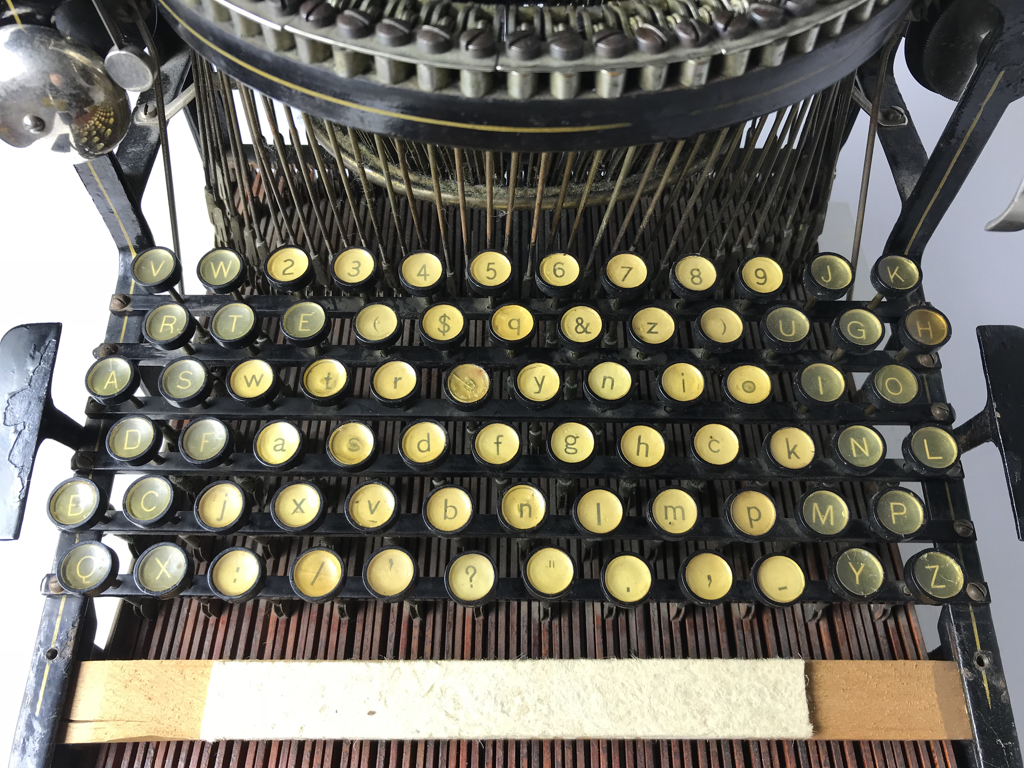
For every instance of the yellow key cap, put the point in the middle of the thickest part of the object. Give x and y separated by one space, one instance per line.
496 445
791 448
317 575
857 572
779 580
424 444
681 383
549 572
523 507
371 506
673 511
935 574
390 574
470 578
298 507
395 383
221 507
626 580
237 575
351 445
598 511
748 385
377 326
571 443
752 513
824 512
490 273
642 446
279 444
716 444
898 511
421 274
707 577
467 385
538 384
608 384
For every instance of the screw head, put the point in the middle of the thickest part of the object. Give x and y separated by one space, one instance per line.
941 412
523 45
318 13
105 350
119 302
977 591
767 16
799 7
651 39
33 123
927 360
611 44
392 32
692 33
353 25
963 528
566 45
478 43
431 39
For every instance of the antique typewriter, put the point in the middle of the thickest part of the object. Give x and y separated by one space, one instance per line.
513 388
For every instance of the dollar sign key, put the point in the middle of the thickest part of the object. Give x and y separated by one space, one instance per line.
444 325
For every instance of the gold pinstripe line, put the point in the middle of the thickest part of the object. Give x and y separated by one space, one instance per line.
14 13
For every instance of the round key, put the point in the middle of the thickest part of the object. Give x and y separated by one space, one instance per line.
421 274
827 277
490 273
448 510
549 573
784 329
819 385
680 383
537 386
608 385
931 450
642 446
352 445
894 277
897 513
706 577
237 575
354 270
318 575
651 330
672 512
558 275
496 445
789 449
891 386
88 568
163 571
222 271
693 278
134 441
512 327
298 507
235 326
718 330
751 513
778 580
759 279
859 449
715 445
597 511
442 327
580 328
185 382
523 508
394 384
823 513
150 501
371 506
279 445
377 327
76 504
934 575
169 327
467 386
856 331
747 386
289 269
625 276
325 381
856 573
206 442
253 383
626 580
471 579
112 380
424 444
571 444
305 324
390 574
222 507
157 270
922 331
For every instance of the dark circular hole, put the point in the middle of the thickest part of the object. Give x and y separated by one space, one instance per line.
979 660
51 654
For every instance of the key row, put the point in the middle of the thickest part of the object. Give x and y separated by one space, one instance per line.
224 507
391 574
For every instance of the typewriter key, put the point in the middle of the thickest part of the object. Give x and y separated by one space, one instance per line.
448 510
512 327
371 506
642 446
693 278
819 385
680 383
496 445
354 270
421 274
424 444
523 508
751 513
222 271
715 444
706 577
859 449
467 386
253 383
784 329
651 330
206 442
185 383
470 579
442 327
163 571
823 513
827 277
279 445
377 326
390 574
672 512
856 332
325 381
352 445
897 513
597 511
235 326
934 575
856 573
624 276
549 573
759 279
237 575
289 269
134 440
537 386
608 385
717 330
580 329
394 384
318 575
922 331
557 275
169 327
626 580
889 387
305 324
88 568
490 273
747 386
894 277
76 504
150 501
778 580
157 270
112 380
789 448
222 507
930 450
298 507
571 444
